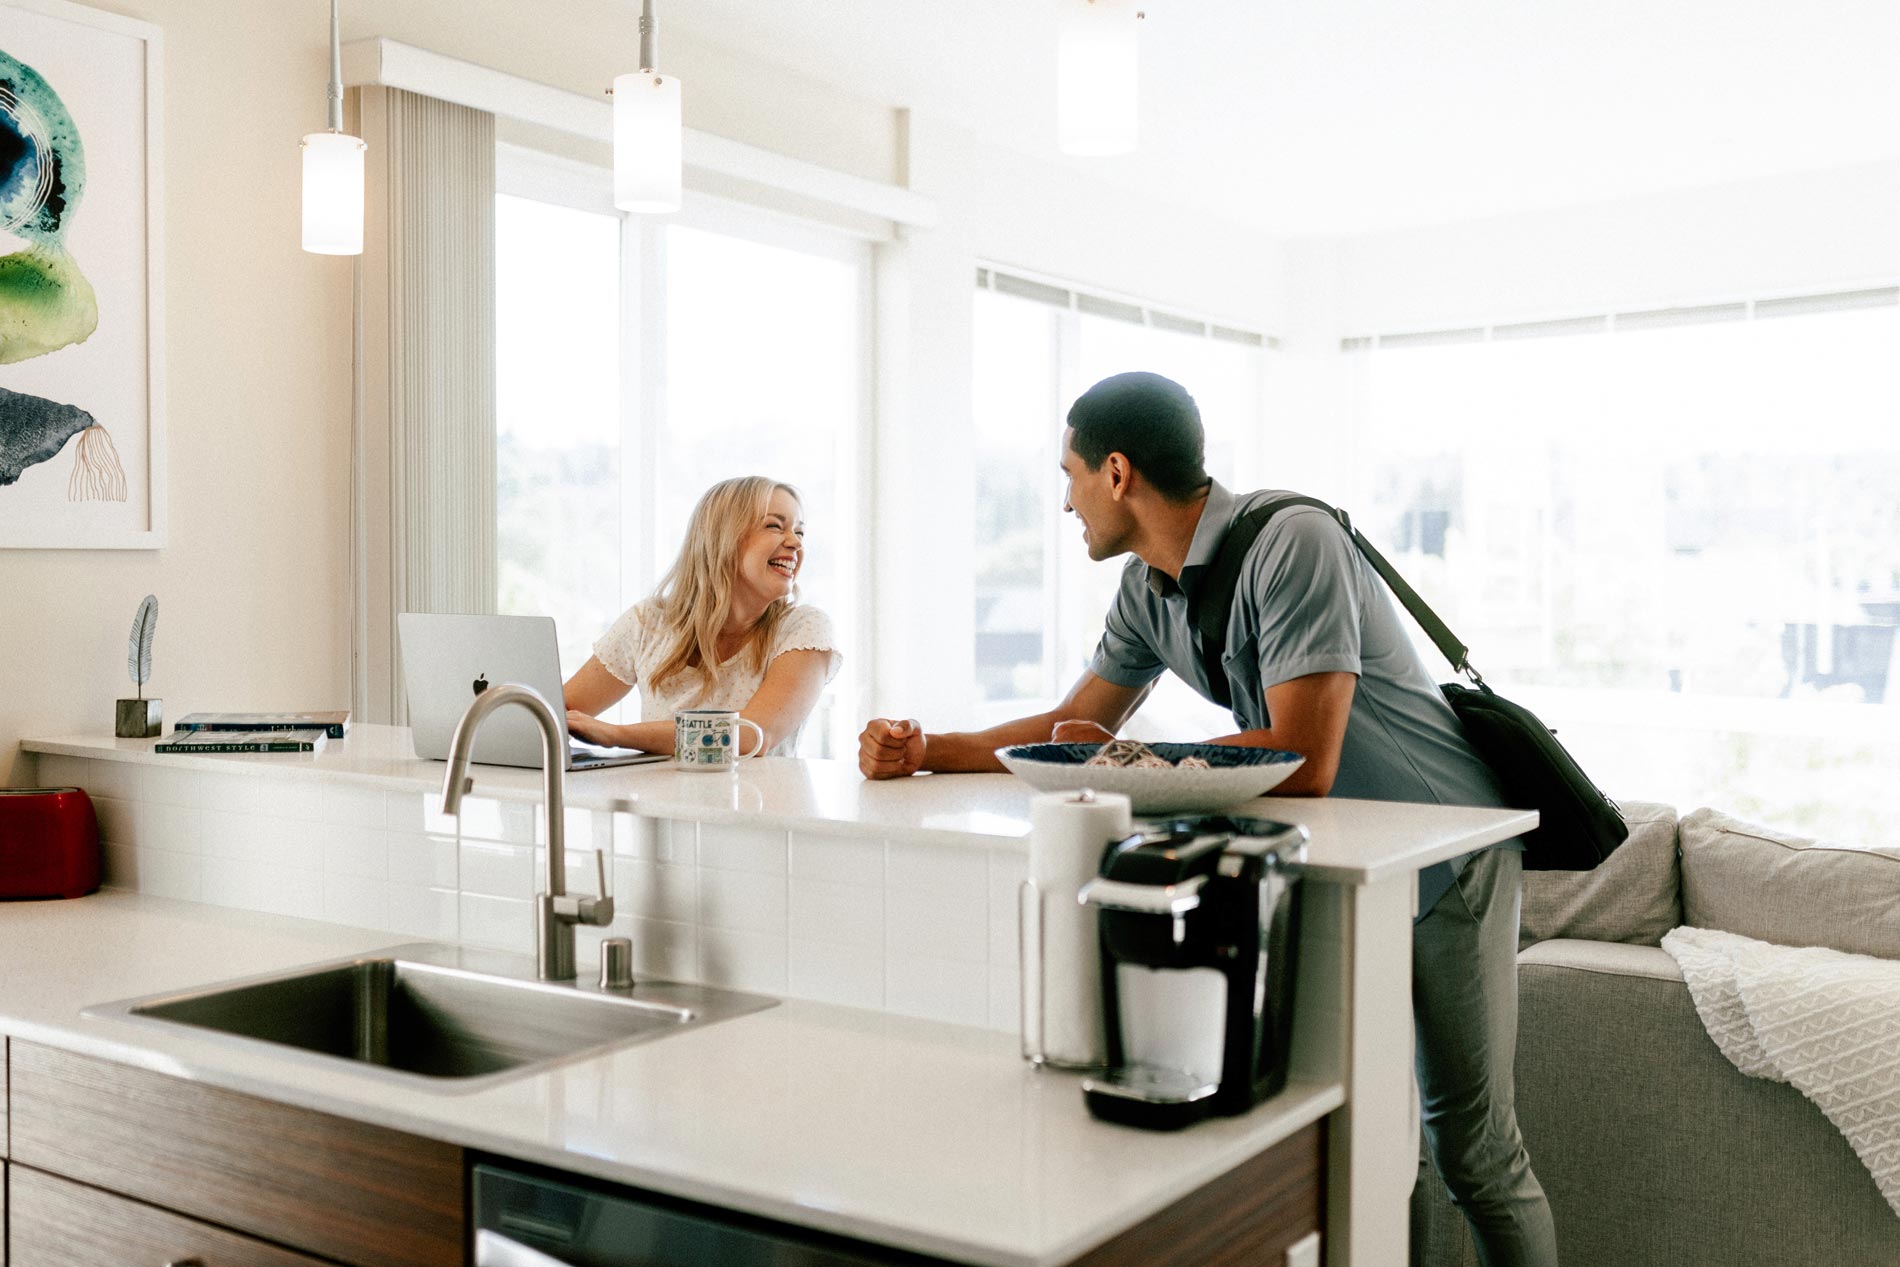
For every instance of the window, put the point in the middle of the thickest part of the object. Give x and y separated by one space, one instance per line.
557 416
1040 602
640 360
1678 541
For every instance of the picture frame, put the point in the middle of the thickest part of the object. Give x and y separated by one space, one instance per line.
82 376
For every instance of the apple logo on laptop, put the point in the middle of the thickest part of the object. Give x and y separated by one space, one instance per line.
481 683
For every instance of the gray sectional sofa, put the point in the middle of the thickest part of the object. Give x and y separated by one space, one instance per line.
1654 1150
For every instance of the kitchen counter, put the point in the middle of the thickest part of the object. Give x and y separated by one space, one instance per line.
1353 842
925 1136
788 877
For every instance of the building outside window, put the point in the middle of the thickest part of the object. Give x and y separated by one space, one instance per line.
1677 538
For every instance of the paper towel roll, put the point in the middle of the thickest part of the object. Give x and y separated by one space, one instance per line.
1062 981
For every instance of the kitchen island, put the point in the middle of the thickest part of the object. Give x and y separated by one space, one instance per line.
896 1129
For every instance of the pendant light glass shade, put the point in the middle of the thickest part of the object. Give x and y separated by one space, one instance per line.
333 194
647 142
1098 77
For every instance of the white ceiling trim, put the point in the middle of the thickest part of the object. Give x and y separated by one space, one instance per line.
391 64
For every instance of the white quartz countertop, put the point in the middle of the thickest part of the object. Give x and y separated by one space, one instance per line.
929 1137
1354 842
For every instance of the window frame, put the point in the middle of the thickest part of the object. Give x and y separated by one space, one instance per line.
522 172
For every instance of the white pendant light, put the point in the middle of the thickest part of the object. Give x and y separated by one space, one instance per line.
1098 76
333 172
647 131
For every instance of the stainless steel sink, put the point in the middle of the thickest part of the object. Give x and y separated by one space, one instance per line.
437 1016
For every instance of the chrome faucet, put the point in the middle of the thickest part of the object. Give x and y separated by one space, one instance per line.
555 912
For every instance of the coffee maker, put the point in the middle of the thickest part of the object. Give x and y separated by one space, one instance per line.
1199 924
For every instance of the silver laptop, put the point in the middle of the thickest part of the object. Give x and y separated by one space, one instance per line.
448 660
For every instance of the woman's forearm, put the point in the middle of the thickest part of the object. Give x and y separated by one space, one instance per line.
647 736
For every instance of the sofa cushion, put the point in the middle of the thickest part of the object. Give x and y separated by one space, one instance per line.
1634 895
1779 887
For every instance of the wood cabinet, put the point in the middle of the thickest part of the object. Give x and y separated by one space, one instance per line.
58 1223
360 1195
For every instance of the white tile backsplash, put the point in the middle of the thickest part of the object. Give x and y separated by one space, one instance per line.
362 852
839 859
841 914
349 899
497 870
117 779
949 870
169 786
353 806
742 848
936 926
170 827
500 923
743 960
845 975
649 890
665 949
54 770
415 858
742 900
278 842
937 989
416 911
154 871
923 929
511 822
262 886
115 819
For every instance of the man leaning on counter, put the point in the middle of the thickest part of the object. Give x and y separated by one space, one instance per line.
1318 663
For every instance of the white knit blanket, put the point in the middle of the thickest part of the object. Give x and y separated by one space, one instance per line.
1824 1021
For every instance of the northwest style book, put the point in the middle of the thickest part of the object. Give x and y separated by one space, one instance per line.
308 739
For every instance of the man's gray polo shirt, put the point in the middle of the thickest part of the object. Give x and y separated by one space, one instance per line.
1307 602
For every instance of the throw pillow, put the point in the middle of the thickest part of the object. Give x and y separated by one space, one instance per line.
1776 886
1634 895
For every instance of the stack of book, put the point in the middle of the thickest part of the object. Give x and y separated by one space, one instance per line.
254 732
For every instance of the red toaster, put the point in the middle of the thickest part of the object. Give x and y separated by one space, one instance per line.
49 842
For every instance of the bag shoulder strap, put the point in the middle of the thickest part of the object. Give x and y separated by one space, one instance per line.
1213 601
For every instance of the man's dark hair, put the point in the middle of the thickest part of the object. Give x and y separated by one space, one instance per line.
1150 420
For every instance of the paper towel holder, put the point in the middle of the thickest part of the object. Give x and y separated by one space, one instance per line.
1029 923
1032 953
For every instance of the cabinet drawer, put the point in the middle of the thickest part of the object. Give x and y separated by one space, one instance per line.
360 1194
58 1223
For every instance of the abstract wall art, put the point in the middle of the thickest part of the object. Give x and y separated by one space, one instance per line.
81 349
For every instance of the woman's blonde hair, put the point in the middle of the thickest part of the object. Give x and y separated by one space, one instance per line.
695 596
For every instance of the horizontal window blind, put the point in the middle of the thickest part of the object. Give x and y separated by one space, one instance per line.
1641 319
1116 308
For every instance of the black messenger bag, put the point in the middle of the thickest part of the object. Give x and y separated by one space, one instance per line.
1578 826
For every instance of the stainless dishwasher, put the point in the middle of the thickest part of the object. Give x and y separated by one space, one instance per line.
532 1220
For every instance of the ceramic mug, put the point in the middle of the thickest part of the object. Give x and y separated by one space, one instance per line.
707 738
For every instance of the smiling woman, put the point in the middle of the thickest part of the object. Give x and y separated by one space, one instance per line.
724 630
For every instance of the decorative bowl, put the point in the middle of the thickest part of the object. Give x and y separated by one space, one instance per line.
1233 774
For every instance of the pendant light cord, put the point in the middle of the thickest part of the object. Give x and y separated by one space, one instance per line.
649 38
336 70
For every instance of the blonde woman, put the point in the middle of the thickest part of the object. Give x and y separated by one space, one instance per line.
724 630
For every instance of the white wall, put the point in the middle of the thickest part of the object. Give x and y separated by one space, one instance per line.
1808 231
259 348
257 406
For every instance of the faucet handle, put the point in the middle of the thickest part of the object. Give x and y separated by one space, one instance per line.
597 912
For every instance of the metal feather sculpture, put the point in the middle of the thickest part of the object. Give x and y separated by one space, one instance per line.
138 656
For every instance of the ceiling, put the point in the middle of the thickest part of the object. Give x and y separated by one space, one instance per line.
1339 117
